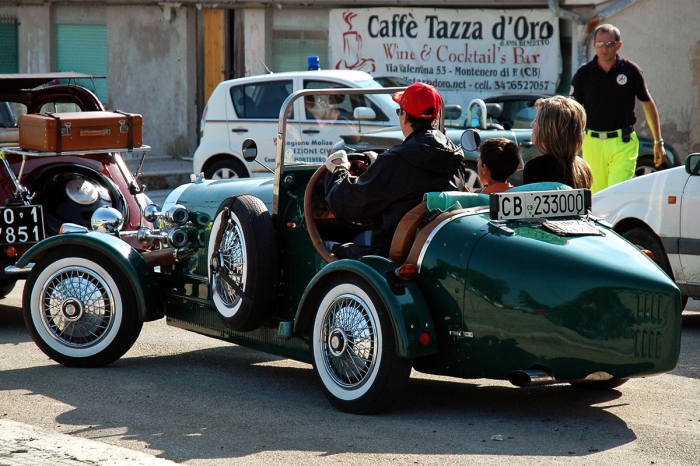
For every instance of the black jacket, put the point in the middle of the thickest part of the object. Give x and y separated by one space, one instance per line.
546 168
395 183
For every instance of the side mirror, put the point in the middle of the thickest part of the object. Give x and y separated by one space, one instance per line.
692 164
249 149
470 140
453 112
363 113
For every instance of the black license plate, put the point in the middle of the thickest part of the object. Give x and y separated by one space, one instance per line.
21 224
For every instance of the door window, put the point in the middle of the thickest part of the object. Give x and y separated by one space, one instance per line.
261 100
336 106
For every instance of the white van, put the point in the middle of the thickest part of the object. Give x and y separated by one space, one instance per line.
249 108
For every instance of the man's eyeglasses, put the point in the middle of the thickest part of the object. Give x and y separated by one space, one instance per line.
601 44
399 112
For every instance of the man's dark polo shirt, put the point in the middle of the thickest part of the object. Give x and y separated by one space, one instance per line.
609 97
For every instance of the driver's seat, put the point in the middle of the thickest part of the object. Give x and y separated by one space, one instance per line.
405 233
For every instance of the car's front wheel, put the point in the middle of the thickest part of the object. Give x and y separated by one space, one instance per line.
354 348
80 309
644 238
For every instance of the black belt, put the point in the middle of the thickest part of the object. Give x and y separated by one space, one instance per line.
607 134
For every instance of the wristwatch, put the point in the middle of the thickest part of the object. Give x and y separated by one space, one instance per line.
659 141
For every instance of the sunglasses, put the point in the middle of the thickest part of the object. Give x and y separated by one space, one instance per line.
601 44
399 112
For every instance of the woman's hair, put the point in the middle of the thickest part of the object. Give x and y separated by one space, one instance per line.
561 125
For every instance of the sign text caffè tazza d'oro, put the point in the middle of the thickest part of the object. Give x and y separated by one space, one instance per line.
464 53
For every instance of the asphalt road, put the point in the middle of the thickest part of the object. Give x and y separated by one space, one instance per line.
199 401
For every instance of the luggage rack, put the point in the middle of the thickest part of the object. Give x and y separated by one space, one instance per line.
23 194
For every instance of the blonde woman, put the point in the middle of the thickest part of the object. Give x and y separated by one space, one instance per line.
557 133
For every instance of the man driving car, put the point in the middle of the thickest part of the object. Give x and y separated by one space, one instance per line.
396 181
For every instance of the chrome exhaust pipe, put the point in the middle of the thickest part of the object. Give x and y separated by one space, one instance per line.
528 377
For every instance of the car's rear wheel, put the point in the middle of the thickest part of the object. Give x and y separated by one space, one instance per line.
354 348
243 266
226 169
80 309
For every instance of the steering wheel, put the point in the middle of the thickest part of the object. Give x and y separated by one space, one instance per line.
358 157
314 235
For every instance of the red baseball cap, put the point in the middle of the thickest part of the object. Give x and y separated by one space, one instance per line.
419 100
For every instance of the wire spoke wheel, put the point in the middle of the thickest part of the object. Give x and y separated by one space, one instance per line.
350 341
354 347
243 265
80 308
232 260
77 307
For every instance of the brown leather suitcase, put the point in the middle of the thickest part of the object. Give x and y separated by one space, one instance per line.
76 131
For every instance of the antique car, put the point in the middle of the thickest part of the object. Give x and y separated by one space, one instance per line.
659 213
525 286
54 188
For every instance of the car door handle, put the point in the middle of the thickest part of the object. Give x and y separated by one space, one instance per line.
526 143
239 130
311 131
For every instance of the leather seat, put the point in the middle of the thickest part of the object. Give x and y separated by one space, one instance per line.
405 233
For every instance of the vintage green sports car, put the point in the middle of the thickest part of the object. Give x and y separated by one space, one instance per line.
524 286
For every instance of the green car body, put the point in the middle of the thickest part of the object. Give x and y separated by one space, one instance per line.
503 300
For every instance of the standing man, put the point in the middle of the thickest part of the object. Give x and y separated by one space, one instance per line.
607 87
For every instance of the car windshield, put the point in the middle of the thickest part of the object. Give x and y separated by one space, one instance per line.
385 99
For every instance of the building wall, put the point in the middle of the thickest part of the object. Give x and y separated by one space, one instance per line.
151 63
35 29
152 67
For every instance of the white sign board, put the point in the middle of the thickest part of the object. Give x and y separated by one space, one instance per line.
463 53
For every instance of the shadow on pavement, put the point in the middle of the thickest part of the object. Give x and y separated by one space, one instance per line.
233 402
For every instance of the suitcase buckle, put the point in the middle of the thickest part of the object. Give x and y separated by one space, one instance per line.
66 131
123 127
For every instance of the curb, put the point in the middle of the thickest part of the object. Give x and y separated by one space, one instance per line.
26 444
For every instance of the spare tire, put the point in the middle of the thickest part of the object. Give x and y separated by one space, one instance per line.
243 264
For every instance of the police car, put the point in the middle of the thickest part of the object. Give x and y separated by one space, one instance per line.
250 108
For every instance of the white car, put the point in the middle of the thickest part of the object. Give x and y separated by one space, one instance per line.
249 108
660 212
